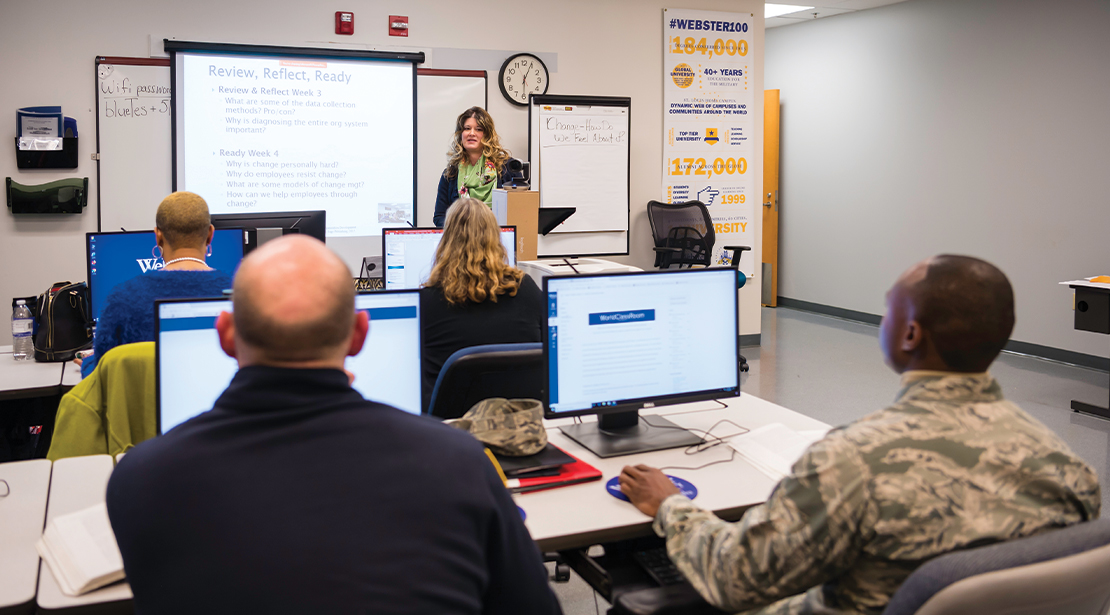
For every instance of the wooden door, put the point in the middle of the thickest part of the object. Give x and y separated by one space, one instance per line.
770 270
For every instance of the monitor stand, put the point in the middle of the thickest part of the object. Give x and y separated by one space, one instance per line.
624 433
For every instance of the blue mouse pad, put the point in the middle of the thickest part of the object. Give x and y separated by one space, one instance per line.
687 489
523 515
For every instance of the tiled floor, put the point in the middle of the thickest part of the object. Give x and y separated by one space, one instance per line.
833 370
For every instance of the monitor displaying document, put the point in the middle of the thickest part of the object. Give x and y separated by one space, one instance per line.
114 258
193 371
617 343
409 253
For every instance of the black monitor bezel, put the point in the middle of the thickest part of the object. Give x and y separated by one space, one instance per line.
633 405
245 221
409 229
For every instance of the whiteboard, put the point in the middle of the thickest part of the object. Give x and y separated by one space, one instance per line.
132 140
135 167
579 149
441 95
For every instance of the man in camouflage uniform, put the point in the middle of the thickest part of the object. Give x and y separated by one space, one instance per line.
951 465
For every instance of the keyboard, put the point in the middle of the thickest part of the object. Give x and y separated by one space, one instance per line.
659 566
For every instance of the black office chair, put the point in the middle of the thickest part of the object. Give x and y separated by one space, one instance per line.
683 234
481 372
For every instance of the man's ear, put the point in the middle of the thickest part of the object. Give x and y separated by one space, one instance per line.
913 338
225 327
358 336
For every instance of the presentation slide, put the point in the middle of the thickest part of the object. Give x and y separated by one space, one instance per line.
259 133
616 338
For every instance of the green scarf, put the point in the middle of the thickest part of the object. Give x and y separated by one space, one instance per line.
478 180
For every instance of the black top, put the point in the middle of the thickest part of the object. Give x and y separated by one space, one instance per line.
448 193
446 328
296 495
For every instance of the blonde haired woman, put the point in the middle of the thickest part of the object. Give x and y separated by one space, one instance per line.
476 163
472 296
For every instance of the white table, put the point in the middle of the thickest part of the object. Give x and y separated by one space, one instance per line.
582 515
76 484
22 514
22 379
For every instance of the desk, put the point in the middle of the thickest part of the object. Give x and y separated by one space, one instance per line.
21 521
1092 313
23 379
76 484
582 515
538 270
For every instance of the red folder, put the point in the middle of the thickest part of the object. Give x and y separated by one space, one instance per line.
569 474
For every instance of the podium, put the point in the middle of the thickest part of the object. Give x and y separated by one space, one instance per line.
1092 313
519 208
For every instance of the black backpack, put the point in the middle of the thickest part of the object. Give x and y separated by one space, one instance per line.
63 320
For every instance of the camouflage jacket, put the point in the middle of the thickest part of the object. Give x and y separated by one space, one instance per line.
950 465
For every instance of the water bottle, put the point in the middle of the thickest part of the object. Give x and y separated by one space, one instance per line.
23 347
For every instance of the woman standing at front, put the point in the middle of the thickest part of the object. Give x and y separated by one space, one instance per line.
476 163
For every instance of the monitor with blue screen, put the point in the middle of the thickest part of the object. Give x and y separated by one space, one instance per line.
114 258
192 369
616 343
409 253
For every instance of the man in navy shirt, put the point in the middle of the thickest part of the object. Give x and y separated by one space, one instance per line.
294 494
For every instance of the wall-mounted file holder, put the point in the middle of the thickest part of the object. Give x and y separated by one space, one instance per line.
65 158
65 196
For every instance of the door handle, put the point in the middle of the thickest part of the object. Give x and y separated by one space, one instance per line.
768 202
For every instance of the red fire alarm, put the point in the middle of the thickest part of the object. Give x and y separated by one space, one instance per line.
344 23
398 25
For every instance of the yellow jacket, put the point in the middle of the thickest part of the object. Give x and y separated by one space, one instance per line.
112 409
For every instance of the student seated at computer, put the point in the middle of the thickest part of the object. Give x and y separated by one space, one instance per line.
296 495
472 296
476 164
183 232
951 465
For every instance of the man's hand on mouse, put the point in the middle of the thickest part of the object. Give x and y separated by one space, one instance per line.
646 487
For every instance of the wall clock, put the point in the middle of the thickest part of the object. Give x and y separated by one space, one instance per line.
521 75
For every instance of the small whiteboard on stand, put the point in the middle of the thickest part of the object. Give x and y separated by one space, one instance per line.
579 150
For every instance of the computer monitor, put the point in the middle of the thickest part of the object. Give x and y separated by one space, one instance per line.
409 253
264 226
192 369
616 343
114 258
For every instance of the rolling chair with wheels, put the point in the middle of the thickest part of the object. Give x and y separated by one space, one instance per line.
683 234
481 372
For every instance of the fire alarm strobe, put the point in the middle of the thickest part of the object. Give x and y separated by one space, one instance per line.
398 25
344 22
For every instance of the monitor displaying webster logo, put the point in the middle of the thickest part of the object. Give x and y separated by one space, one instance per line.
149 264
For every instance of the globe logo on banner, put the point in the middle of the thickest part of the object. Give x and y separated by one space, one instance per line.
711 136
683 75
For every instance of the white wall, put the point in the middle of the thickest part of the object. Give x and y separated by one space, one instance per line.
958 126
610 48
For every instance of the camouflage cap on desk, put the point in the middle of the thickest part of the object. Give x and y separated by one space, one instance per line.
512 427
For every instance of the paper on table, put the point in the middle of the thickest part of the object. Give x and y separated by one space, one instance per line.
774 448
1092 282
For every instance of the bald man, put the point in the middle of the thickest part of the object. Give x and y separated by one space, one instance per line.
296 495
950 465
